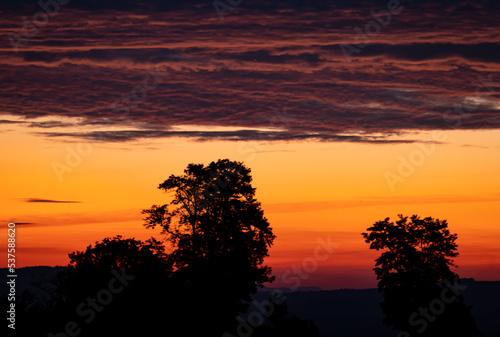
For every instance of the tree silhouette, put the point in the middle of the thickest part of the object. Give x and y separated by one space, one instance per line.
219 238
86 294
414 275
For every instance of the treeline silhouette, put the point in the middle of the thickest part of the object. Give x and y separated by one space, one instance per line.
200 280
217 238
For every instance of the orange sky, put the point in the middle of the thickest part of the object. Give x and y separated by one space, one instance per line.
309 191
353 137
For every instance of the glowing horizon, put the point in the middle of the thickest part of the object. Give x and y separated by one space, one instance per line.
308 191
105 101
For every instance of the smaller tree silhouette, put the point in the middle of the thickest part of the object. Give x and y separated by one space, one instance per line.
417 255
135 309
117 253
417 252
133 299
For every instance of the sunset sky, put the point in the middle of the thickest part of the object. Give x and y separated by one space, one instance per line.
100 103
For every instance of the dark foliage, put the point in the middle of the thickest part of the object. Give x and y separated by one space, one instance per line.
421 295
220 238
217 237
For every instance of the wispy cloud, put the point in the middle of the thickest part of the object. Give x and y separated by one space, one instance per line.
51 201
20 223
6 121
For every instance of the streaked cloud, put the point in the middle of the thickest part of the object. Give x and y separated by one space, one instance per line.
20 223
51 201
430 58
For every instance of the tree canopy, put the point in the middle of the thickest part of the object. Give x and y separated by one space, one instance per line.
218 236
415 250
417 255
214 216
118 253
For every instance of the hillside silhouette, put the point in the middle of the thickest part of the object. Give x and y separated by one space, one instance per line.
343 313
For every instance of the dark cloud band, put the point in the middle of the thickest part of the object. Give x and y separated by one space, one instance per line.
421 72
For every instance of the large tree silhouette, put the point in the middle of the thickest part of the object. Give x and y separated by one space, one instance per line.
414 273
219 238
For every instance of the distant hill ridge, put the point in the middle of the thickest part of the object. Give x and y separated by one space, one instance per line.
344 312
